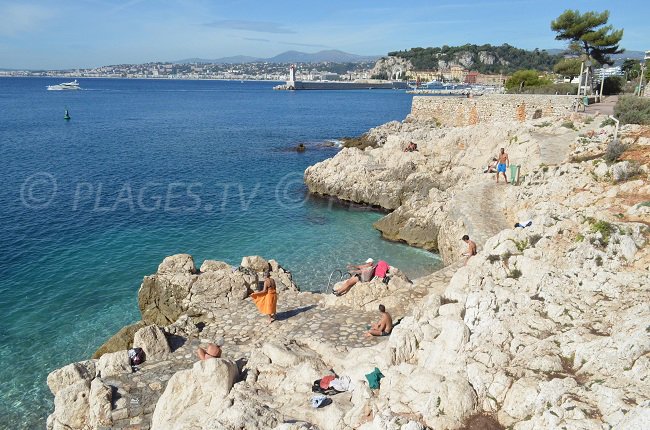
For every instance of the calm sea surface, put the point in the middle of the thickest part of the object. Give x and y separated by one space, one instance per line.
146 169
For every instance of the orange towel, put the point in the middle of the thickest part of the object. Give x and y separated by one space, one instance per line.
266 302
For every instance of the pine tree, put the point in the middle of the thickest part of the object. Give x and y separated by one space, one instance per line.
590 31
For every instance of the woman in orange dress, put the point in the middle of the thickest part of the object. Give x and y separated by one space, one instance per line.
267 299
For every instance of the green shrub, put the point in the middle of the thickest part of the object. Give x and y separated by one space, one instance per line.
579 237
493 258
614 151
604 228
569 124
561 89
633 110
544 124
521 244
613 85
515 274
607 122
529 78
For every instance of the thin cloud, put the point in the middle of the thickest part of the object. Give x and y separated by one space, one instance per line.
22 18
257 26
255 39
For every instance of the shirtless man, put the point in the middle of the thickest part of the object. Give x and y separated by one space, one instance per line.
211 351
355 271
384 326
471 248
503 162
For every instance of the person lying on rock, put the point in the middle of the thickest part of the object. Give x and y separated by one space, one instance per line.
471 248
362 272
384 326
211 351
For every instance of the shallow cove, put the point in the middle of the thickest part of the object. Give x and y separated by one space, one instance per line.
146 169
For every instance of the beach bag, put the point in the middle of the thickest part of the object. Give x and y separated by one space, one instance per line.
382 269
316 388
136 356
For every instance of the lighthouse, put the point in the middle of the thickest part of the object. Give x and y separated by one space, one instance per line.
292 77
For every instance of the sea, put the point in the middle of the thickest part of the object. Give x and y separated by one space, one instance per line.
144 169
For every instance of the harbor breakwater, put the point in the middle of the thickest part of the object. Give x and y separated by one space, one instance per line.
546 327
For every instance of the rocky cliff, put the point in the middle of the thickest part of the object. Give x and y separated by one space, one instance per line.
546 327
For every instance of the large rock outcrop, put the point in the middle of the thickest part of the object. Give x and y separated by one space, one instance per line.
178 289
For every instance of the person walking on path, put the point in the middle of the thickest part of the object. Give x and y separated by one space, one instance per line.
503 162
384 326
471 248
267 299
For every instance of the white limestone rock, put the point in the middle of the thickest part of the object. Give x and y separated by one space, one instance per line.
179 263
82 371
113 363
153 342
71 407
196 396
100 399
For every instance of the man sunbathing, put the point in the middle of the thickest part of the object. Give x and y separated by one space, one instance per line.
212 351
355 271
384 326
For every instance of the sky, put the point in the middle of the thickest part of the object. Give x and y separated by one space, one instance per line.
47 34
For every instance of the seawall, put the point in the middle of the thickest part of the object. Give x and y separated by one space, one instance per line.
491 108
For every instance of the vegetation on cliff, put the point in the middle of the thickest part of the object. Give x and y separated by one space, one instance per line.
482 58
633 110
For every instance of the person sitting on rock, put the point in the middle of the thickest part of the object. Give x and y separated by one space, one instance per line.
384 326
492 166
211 351
471 248
411 147
361 272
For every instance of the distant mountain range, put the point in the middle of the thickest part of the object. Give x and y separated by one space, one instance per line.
618 58
332 56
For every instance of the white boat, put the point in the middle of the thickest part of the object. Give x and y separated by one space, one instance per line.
74 85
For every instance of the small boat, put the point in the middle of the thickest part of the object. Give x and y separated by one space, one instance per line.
66 116
74 85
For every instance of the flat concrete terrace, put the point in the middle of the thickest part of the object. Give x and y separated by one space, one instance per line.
301 317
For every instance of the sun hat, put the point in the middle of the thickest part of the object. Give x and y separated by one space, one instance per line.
370 260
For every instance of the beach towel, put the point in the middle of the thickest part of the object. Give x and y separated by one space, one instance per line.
373 378
326 380
342 383
266 302
381 269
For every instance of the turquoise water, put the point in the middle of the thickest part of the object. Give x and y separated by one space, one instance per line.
147 169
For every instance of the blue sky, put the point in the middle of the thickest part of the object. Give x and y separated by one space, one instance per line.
87 33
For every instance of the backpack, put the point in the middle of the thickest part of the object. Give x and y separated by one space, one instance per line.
136 356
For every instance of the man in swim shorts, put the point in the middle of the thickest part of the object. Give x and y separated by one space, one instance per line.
384 326
503 162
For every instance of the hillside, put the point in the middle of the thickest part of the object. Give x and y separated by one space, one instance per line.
482 58
333 56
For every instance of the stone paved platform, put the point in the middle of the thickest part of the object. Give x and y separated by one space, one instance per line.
300 316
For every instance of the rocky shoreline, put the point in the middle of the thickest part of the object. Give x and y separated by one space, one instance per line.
547 327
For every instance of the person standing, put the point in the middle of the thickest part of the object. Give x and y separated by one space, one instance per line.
267 299
503 162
